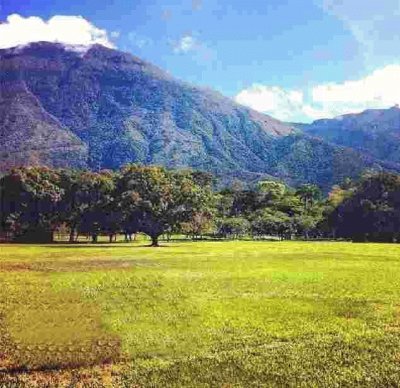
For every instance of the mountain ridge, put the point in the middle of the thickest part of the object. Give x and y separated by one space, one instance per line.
373 131
104 108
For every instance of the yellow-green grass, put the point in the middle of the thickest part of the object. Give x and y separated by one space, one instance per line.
200 314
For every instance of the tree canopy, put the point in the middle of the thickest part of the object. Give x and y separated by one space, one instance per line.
369 210
158 201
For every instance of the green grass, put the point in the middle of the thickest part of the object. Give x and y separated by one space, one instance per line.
200 314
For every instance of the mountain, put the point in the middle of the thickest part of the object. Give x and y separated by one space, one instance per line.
29 135
102 108
374 131
125 109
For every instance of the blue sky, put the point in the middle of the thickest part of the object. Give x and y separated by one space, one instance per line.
297 60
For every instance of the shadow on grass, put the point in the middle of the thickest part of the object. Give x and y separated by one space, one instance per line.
102 246
138 244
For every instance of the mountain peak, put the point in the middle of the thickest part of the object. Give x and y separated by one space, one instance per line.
105 108
127 110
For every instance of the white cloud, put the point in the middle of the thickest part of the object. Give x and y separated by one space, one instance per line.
185 44
273 100
71 30
380 89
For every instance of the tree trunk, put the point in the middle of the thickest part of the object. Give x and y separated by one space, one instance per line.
72 234
154 241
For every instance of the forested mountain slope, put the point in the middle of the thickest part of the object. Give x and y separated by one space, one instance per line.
102 108
374 131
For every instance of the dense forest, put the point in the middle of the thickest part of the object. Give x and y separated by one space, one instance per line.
156 201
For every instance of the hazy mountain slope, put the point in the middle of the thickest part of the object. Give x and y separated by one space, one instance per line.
374 131
30 136
298 158
128 110
103 108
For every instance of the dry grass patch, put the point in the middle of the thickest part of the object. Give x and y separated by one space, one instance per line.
44 329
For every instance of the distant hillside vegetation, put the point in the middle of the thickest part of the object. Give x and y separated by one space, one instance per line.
104 108
374 131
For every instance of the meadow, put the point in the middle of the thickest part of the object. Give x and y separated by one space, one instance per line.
199 314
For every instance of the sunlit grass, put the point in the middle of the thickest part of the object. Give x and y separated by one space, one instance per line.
203 314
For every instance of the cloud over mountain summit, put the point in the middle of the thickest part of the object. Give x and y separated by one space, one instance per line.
70 30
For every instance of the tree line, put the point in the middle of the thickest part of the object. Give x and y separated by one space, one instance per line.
37 201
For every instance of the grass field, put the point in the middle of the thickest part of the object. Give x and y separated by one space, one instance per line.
200 314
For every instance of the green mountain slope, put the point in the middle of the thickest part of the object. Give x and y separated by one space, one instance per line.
103 108
31 136
374 131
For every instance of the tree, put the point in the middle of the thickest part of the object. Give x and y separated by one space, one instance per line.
156 200
309 194
233 227
246 202
224 203
272 189
372 211
304 224
272 223
199 224
29 203
87 204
